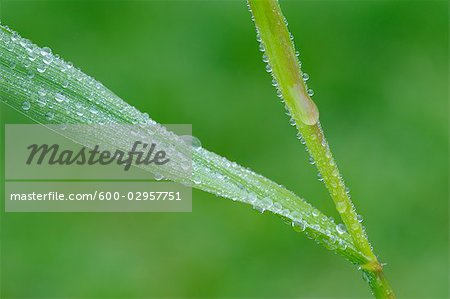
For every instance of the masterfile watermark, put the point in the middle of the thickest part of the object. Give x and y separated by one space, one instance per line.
97 168
52 154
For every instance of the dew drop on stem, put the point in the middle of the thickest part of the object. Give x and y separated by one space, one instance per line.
305 77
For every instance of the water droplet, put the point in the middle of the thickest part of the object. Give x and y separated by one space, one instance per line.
286 110
41 102
285 212
310 92
359 218
291 36
32 56
251 198
26 105
46 51
299 226
41 68
261 47
26 63
49 115
65 84
342 244
277 207
319 177
42 92
305 77
268 68
259 208
340 228
258 36
59 97
266 203
315 213
297 223
332 238
79 76
311 160
365 276
47 59
158 177
292 122
15 37
9 45
12 65
26 44
279 94
296 216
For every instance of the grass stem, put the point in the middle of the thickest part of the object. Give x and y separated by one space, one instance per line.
279 51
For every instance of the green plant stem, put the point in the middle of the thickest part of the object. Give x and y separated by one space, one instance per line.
280 53
320 151
378 283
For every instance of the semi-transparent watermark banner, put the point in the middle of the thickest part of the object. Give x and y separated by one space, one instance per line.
110 167
97 197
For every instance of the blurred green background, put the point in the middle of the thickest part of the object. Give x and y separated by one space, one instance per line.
380 73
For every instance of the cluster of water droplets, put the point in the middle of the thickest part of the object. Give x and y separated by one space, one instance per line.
42 85
335 182
265 195
67 95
